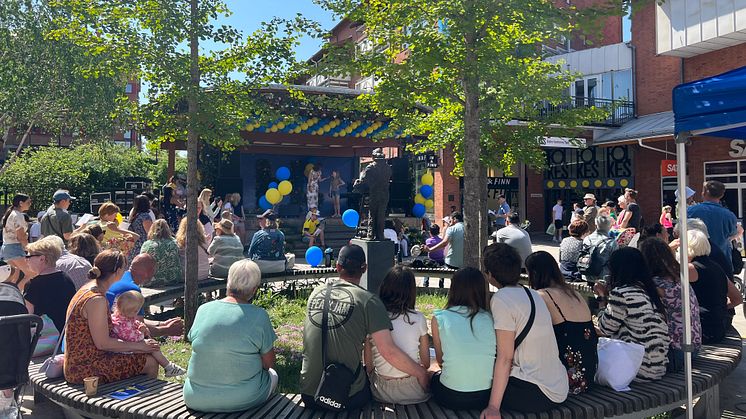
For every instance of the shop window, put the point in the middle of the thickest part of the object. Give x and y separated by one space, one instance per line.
128 88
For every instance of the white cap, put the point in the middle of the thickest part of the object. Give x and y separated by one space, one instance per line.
689 193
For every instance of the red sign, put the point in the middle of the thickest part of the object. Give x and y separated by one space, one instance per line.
668 168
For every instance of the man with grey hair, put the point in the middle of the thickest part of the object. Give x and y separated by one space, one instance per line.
721 222
715 253
76 267
600 246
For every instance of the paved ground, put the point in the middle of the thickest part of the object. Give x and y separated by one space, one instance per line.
732 390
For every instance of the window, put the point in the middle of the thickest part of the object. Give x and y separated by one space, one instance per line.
128 134
733 175
128 88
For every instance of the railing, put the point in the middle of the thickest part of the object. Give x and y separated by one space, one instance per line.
620 111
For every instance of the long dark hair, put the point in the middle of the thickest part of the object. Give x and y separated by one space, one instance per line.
20 197
543 272
399 292
659 258
628 268
468 290
141 205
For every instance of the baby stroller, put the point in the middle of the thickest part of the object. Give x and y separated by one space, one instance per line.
19 332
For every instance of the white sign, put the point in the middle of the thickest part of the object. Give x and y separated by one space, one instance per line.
563 142
737 148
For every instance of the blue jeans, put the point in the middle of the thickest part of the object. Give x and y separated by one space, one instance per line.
676 360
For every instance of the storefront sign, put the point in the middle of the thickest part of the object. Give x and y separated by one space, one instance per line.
737 148
506 183
562 142
431 160
668 168
592 167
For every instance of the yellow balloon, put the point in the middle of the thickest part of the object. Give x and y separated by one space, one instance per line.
119 218
427 179
273 196
419 199
429 203
285 187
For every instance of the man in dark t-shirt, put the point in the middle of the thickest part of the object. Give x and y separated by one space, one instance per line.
354 314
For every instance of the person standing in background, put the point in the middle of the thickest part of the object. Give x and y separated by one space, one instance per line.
557 212
503 209
590 212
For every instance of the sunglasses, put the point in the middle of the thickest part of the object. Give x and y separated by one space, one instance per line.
32 256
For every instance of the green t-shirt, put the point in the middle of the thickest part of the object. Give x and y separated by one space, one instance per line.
225 371
354 313
56 222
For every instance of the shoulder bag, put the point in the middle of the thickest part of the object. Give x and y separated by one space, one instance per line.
333 391
53 366
521 336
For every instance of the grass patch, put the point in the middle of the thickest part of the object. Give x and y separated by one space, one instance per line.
287 310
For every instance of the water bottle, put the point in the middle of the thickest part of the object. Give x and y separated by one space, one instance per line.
328 257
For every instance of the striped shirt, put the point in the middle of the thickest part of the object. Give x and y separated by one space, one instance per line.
224 250
631 317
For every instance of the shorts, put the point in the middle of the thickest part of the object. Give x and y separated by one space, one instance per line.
11 251
558 224
405 390
334 194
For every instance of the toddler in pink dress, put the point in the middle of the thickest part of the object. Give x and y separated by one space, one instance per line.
126 326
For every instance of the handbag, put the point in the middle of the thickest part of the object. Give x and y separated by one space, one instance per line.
48 338
618 362
53 366
333 391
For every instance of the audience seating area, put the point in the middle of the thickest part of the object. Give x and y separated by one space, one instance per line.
164 400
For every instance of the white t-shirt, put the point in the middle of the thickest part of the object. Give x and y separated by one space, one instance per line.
391 235
557 210
14 222
407 338
536 360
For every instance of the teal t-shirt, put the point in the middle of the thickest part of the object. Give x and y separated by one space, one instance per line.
468 349
354 313
225 371
455 236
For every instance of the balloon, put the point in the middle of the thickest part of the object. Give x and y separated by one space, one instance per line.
429 203
283 173
119 218
426 191
314 255
264 204
351 218
427 179
418 210
273 196
272 185
285 187
419 199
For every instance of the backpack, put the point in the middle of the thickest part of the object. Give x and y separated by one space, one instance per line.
590 262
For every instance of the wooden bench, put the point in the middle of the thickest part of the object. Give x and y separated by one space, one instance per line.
164 400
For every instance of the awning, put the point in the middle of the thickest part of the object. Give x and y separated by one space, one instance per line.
641 128
715 106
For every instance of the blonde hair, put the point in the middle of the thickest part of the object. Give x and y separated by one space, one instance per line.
129 303
108 208
204 197
666 208
697 244
244 277
235 198
181 234
225 226
160 231
47 248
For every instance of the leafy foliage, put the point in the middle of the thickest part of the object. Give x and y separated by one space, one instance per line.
87 168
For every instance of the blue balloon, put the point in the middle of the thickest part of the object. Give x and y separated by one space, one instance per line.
351 218
426 191
418 210
264 204
314 255
283 173
272 185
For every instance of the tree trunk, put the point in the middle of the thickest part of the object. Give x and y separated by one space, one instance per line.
190 274
474 182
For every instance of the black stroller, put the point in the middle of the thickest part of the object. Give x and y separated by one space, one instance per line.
19 332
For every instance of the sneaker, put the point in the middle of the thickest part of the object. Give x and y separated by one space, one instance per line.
173 370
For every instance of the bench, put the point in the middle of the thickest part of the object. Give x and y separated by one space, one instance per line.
164 399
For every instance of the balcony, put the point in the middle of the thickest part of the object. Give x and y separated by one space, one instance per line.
686 28
620 111
324 81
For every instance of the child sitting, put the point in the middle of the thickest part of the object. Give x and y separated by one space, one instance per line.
126 326
388 384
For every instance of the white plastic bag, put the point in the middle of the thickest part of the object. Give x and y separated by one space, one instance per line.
551 229
618 363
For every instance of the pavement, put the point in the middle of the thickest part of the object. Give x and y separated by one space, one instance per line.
732 389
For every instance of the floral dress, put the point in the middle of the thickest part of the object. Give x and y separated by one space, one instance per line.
137 227
82 357
577 342
166 255
312 190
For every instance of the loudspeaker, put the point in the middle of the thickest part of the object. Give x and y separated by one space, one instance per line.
400 188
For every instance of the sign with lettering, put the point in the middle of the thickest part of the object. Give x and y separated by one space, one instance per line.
506 183
431 160
668 168
737 148
592 167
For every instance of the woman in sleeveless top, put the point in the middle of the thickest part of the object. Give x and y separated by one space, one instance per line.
573 328
90 351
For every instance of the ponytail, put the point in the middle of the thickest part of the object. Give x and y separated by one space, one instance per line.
20 197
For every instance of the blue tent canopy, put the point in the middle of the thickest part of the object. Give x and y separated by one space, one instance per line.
715 106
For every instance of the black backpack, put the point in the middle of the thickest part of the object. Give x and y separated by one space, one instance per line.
590 262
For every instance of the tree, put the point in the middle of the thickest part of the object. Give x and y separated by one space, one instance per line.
51 83
192 94
476 67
